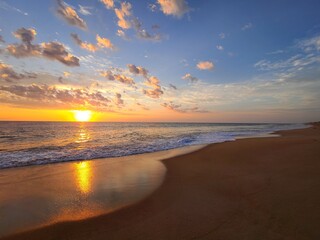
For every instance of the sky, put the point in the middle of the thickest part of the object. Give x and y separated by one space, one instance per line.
160 60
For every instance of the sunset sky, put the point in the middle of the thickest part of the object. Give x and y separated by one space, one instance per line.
165 60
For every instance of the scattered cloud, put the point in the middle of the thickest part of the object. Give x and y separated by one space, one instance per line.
84 10
153 82
138 70
109 4
190 78
310 44
118 100
222 35
246 26
178 108
176 8
88 46
173 87
143 33
7 7
70 15
104 42
109 75
122 14
152 7
205 65
57 51
51 50
220 47
53 96
101 43
66 74
7 74
122 34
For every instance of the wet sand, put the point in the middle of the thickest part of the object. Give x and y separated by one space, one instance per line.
257 188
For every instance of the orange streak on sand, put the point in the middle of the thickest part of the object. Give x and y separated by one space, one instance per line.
83 176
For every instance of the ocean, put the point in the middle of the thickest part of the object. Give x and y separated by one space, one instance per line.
35 143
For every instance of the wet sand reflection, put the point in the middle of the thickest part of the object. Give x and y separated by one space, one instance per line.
31 197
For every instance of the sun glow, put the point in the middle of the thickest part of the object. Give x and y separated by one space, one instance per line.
82 115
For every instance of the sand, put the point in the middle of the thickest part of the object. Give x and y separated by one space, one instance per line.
257 188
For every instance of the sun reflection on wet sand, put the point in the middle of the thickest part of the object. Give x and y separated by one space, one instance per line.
83 176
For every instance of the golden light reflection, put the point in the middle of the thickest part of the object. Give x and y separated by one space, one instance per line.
83 175
83 136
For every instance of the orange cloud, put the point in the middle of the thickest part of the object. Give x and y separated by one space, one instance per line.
205 65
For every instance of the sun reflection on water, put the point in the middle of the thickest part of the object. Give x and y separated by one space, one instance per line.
83 136
83 176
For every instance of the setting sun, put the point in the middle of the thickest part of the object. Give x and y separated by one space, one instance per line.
82 115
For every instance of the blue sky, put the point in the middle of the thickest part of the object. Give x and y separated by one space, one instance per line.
205 60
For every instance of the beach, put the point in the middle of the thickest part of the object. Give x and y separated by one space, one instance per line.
255 188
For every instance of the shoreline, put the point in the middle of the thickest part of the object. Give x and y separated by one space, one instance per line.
190 167
180 150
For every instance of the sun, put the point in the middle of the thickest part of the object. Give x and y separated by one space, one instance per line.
82 115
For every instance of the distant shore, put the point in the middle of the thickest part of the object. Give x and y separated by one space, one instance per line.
256 188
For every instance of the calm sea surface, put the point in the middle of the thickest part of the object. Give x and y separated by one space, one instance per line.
34 143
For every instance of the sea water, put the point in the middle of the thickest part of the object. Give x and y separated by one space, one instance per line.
35 143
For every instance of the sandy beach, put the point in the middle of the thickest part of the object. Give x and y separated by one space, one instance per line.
257 188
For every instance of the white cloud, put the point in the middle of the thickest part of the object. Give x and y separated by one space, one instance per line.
190 78
84 10
220 47
246 26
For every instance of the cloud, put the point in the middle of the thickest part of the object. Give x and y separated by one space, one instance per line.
205 65
26 48
122 34
143 33
222 35
51 50
9 75
25 35
246 26
220 47
85 10
178 108
70 15
66 74
88 46
175 8
118 100
2 40
189 77
138 70
57 51
109 4
104 42
101 43
153 82
59 98
310 44
122 14
7 7
117 77
172 86
172 106
152 7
